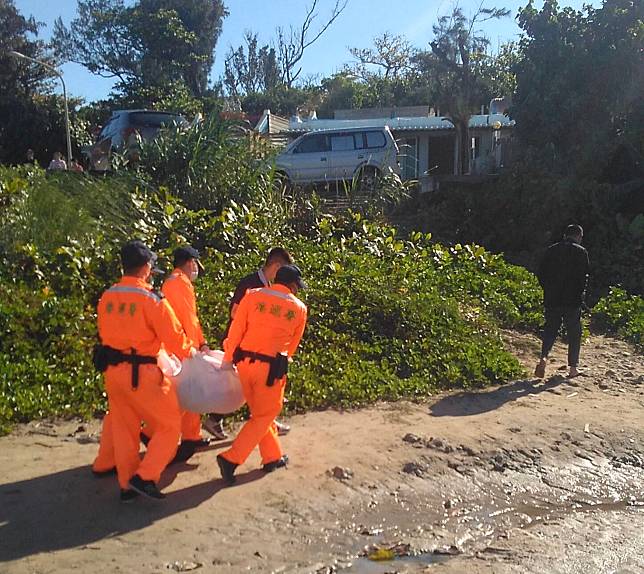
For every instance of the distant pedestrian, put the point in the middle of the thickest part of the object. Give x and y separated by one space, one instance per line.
563 275
30 157
57 163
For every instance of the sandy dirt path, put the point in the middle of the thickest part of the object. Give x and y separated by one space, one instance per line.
527 477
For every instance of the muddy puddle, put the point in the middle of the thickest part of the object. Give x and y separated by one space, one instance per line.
478 540
421 524
366 566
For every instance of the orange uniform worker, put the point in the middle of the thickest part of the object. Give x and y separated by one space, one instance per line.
180 293
267 328
133 323
263 277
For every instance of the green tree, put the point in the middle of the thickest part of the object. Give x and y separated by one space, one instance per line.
391 57
498 71
20 34
172 96
152 45
453 70
341 91
580 83
251 69
202 18
32 117
383 75
281 100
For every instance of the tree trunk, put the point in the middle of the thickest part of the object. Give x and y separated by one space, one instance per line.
463 141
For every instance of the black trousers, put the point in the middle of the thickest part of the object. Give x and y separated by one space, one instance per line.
571 318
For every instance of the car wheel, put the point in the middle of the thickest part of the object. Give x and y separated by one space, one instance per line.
368 178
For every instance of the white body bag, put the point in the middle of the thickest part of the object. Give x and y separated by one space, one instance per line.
202 387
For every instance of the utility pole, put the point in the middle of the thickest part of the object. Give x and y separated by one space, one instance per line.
62 81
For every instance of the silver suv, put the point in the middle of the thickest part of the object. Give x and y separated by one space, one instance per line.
125 131
363 154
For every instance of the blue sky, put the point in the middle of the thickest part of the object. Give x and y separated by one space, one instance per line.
356 27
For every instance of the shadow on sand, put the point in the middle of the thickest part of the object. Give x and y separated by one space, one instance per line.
468 403
71 509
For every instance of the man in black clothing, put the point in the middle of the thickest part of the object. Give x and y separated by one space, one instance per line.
263 277
563 275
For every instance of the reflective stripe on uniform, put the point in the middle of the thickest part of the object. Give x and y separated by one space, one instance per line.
274 293
134 290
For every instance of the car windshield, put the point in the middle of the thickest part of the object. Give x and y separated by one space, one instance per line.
154 120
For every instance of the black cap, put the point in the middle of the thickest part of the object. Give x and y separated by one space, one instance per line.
290 274
185 253
135 254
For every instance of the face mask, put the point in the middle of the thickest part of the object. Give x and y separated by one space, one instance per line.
193 275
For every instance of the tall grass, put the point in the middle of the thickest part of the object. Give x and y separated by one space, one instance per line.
209 164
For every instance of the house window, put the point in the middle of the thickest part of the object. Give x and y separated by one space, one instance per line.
313 144
342 142
408 157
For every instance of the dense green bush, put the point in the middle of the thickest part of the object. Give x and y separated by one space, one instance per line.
524 211
621 314
389 316
45 354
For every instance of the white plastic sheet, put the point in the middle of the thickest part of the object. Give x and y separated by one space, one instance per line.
169 364
202 386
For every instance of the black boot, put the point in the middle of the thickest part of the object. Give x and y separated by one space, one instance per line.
185 450
146 488
279 463
227 469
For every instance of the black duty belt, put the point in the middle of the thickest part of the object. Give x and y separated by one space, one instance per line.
105 356
278 364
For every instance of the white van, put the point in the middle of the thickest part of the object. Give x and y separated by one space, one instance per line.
363 154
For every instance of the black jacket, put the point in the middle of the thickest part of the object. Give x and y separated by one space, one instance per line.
563 274
251 281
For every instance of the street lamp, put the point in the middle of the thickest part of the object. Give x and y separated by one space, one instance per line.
62 81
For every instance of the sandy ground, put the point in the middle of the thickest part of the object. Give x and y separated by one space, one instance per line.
527 477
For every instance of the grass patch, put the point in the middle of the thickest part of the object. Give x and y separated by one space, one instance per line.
621 314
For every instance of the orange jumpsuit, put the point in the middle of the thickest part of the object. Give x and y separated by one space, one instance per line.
180 293
269 320
131 316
